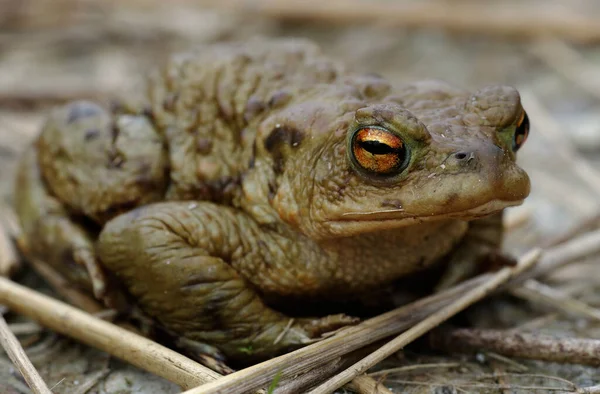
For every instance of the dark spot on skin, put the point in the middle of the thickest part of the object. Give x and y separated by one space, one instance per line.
278 163
279 98
82 110
391 203
280 137
451 198
220 190
272 190
204 146
261 244
252 161
254 106
91 135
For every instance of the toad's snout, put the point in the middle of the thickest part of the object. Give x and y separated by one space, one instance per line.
489 170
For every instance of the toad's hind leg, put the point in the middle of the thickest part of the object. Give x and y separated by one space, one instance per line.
174 259
87 165
49 233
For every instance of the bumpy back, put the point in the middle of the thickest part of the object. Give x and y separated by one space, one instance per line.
208 102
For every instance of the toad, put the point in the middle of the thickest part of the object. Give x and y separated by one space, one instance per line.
242 175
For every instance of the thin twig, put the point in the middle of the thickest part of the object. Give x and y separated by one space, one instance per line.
121 343
91 381
501 359
519 20
364 384
457 386
282 333
429 323
410 368
17 355
519 344
535 291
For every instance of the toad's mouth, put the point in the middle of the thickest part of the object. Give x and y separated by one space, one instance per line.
361 222
485 209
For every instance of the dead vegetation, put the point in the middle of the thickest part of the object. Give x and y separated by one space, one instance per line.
529 329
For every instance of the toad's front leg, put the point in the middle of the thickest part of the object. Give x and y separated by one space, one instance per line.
175 259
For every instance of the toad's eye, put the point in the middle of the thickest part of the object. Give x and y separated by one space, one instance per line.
379 151
522 132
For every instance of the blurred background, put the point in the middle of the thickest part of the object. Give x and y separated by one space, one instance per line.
59 50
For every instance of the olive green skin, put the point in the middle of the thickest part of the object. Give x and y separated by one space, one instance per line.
228 183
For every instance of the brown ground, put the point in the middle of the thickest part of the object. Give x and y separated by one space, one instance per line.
52 51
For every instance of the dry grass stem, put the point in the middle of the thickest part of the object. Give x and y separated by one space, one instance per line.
469 298
517 21
364 384
121 343
535 291
17 355
92 381
519 344
410 368
505 360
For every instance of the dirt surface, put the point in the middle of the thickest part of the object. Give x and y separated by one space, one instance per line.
54 51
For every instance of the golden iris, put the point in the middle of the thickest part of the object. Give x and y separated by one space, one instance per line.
378 151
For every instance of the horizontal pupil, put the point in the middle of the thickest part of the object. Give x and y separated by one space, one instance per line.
377 148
